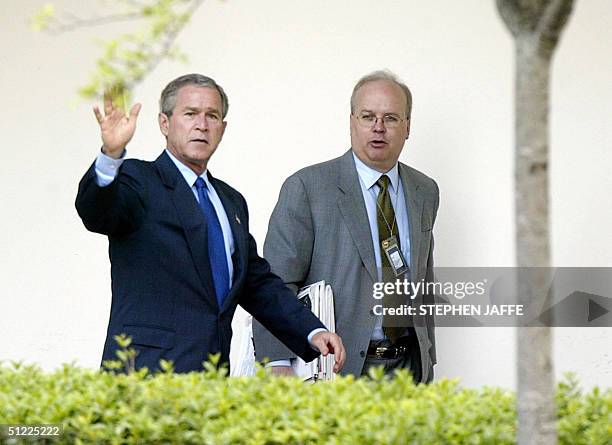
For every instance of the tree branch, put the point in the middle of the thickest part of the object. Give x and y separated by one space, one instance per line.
553 20
542 20
511 15
166 46
57 27
129 60
130 57
134 3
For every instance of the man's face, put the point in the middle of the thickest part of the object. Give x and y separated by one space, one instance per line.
377 145
196 126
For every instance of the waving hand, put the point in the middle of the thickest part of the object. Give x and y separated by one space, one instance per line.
117 129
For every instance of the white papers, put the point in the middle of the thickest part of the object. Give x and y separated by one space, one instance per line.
242 355
320 298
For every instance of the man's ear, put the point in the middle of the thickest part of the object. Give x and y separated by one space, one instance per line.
407 127
352 123
163 123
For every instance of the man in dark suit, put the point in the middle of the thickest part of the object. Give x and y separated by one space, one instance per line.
181 254
343 220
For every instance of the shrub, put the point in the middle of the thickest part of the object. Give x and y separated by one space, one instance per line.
102 407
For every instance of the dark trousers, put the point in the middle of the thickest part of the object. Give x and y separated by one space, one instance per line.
410 360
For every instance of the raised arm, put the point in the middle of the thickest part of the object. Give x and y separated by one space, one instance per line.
105 204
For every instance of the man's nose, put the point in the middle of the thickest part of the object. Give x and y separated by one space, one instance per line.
202 123
379 126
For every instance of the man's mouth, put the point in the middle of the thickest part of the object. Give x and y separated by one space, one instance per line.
199 140
377 143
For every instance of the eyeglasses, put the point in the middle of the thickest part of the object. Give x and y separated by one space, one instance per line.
368 120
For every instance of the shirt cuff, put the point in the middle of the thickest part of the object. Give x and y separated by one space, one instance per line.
107 168
288 361
279 363
312 334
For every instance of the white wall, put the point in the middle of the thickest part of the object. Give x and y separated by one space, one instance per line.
289 68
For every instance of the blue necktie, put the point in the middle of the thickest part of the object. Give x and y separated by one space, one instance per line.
216 244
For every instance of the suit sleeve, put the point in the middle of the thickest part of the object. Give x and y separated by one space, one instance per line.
116 209
274 306
288 248
429 278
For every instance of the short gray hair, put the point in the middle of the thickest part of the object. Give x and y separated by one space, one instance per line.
167 101
383 75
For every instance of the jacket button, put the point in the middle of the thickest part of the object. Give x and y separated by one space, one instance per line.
362 353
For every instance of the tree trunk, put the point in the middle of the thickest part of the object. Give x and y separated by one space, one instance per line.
536 410
536 26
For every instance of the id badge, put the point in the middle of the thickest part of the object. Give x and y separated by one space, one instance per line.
394 255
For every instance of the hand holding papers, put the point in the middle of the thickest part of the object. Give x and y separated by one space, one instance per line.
320 299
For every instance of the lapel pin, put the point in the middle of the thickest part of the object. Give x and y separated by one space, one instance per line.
237 219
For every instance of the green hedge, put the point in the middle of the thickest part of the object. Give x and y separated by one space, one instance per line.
209 408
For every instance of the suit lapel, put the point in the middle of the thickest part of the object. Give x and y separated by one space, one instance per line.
414 204
191 218
353 210
236 220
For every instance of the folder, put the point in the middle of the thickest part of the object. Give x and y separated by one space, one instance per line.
320 299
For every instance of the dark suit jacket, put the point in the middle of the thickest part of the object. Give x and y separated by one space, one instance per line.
163 296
